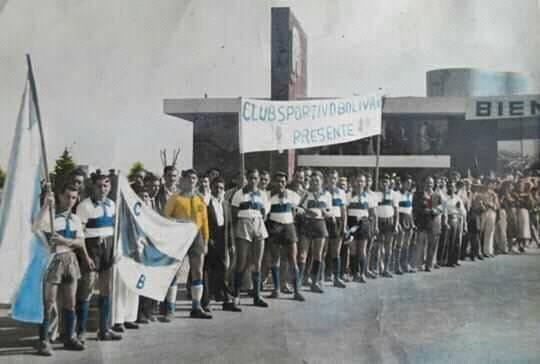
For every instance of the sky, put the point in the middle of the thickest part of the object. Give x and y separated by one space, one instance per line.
104 67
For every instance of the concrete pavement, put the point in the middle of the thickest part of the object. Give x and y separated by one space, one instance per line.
482 312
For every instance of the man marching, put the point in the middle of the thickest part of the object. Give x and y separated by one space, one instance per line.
63 271
97 214
188 204
283 237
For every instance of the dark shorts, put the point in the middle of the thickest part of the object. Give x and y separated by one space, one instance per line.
315 229
64 268
335 228
364 229
386 225
101 252
282 234
406 221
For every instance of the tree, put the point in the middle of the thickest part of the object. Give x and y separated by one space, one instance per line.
63 168
2 178
135 168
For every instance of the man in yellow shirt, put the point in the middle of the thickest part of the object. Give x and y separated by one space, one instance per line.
189 205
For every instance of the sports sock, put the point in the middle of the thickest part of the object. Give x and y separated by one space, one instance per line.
196 293
69 319
275 277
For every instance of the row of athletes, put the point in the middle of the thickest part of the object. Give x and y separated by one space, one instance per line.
296 224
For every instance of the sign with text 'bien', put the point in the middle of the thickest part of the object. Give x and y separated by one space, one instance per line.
279 125
503 107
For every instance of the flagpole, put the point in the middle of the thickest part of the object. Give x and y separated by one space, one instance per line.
33 93
115 245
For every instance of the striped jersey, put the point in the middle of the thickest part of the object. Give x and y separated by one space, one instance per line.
358 206
66 224
282 205
339 200
250 204
406 203
97 217
317 202
387 201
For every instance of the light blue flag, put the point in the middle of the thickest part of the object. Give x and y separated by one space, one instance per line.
23 254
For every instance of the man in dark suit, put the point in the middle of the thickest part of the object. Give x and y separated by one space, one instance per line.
220 247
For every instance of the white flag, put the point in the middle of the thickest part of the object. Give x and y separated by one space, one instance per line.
23 255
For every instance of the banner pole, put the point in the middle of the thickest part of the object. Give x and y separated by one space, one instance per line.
33 95
377 161
378 156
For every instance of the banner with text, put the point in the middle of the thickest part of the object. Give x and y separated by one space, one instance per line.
279 125
503 107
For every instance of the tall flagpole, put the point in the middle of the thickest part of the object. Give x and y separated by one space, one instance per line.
114 270
34 96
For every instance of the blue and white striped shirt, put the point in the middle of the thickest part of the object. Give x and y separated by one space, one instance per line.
282 206
97 217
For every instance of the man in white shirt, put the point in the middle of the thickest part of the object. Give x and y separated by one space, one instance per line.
453 215
283 236
318 206
249 208
407 226
221 247
97 215
336 224
388 219
63 271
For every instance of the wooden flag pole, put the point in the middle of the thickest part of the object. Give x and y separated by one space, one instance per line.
34 96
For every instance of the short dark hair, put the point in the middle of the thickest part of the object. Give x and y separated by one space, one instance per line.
69 187
281 174
77 172
317 173
168 169
252 171
96 177
217 180
189 172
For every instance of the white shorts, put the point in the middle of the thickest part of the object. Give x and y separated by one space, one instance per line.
251 229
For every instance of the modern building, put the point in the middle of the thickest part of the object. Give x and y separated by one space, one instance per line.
470 120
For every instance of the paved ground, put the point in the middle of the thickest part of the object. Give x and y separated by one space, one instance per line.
486 312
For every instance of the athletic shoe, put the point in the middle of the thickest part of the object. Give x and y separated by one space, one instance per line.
73 344
109 336
298 297
339 283
315 287
81 336
286 289
44 348
168 317
118 328
131 325
274 294
206 308
143 320
258 302
199 314
231 306
370 274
